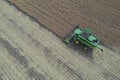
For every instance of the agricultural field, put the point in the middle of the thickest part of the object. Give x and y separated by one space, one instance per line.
61 16
29 51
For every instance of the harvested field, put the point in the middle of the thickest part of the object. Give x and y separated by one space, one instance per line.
60 16
28 51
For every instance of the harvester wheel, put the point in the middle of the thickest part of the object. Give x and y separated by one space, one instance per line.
76 42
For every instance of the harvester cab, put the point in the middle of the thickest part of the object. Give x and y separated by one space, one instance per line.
84 36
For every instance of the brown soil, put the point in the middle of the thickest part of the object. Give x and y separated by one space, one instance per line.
61 16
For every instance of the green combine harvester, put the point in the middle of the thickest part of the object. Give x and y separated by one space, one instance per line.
84 37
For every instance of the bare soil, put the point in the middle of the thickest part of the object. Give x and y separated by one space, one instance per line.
61 16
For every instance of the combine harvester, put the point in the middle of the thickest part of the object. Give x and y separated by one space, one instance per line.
84 37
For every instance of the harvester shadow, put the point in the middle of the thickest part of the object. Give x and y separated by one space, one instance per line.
81 50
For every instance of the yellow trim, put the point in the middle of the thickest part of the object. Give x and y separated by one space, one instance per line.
76 42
